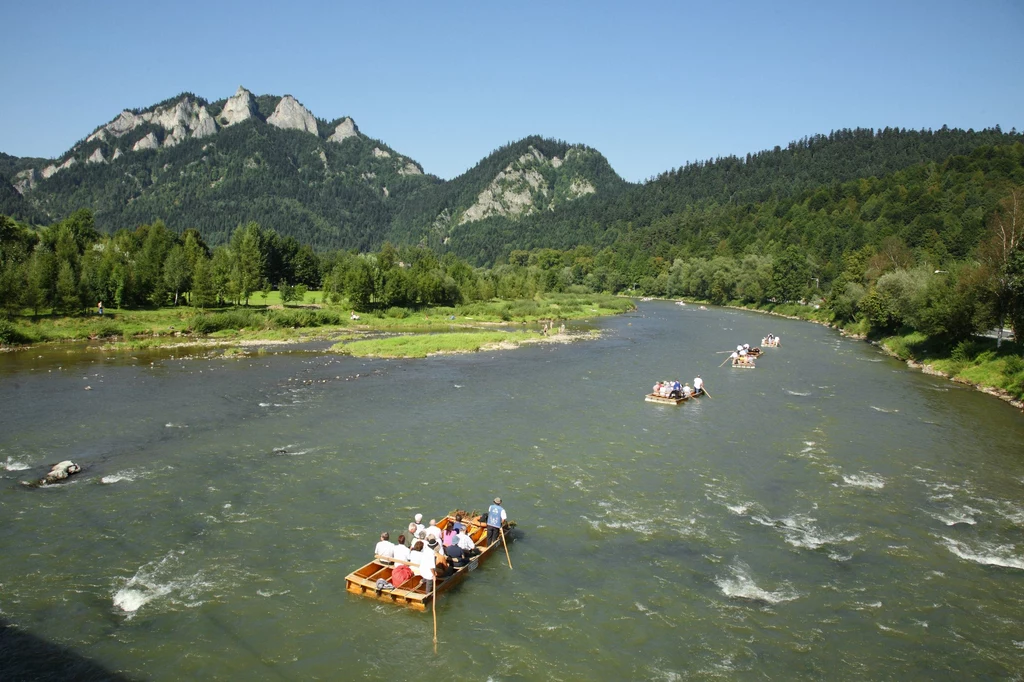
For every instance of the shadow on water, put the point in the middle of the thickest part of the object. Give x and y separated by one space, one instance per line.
25 657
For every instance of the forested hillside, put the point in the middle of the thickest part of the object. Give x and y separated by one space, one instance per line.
679 207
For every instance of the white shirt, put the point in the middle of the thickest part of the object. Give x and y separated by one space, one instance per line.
466 542
426 564
385 548
433 531
402 552
698 383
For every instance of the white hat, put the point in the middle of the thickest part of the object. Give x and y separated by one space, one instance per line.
418 518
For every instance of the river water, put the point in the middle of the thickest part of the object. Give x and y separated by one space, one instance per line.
828 515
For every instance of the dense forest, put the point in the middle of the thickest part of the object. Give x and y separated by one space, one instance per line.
885 230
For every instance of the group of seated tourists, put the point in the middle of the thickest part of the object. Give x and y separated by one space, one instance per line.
672 389
432 553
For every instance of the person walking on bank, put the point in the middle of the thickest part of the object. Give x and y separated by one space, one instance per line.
495 518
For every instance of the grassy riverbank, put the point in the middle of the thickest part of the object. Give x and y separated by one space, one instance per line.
133 329
976 362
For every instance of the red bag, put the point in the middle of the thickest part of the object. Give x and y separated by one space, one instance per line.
400 575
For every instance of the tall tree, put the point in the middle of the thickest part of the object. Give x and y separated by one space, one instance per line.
1005 238
250 259
176 271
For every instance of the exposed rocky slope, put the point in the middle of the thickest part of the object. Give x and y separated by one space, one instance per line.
213 165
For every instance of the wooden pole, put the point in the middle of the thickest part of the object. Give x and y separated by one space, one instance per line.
502 531
433 605
705 391
726 360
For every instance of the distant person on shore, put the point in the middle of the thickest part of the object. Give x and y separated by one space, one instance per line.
99 308
495 518
385 549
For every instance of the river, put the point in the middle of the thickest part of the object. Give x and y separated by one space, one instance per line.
828 515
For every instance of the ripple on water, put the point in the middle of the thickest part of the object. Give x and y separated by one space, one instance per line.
741 585
163 579
799 530
864 480
13 465
127 475
985 553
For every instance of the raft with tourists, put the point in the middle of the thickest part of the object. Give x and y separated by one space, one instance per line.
673 399
770 341
411 593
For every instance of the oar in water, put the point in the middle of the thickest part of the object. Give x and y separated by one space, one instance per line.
726 360
502 531
705 391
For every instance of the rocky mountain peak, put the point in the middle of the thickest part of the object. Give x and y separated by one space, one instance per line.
291 115
239 107
344 130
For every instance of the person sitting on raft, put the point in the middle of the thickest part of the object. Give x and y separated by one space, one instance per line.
456 557
401 551
687 391
466 543
656 390
385 549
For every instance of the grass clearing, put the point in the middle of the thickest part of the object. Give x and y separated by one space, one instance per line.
422 345
151 328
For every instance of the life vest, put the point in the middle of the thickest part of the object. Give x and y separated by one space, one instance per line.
494 515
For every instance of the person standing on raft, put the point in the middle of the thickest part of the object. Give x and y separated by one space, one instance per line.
495 518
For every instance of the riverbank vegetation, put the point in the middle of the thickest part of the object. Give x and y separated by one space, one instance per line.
931 247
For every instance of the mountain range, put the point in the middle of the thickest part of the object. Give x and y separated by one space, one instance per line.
214 165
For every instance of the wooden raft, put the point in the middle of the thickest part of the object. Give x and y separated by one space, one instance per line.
412 594
655 398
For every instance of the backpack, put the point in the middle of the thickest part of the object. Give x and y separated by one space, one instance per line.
400 575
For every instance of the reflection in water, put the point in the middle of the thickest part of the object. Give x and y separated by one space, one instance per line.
828 515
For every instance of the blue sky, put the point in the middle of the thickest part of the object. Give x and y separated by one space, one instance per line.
652 85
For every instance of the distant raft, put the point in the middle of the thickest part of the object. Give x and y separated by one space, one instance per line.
655 398
364 581
770 342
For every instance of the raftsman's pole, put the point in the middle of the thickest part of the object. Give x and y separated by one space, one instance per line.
433 607
505 545
705 391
